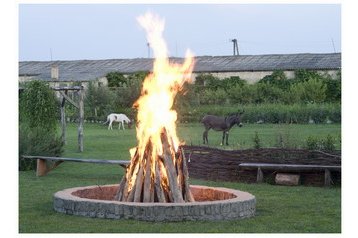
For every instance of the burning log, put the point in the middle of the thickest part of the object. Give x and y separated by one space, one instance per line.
169 166
158 187
163 178
187 193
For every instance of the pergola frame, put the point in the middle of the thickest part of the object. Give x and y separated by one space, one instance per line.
63 90
80 106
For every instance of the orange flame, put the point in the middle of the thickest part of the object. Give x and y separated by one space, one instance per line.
159 90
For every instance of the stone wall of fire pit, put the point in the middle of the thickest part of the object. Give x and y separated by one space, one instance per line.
211 204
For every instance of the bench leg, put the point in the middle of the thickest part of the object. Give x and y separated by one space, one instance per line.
327 178
57 163
41 169
260 175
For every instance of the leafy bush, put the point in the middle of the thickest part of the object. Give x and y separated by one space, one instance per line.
242 94
302 75
208 80
334 88
328 143
98 101
207 97
38 123
267 93
277 79
232 81
314 91
116 79
257 141
38 106
37 141
312 143
325 144
275 99
306 87
125 97
267 113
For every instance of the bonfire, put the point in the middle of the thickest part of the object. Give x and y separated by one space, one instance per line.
158 170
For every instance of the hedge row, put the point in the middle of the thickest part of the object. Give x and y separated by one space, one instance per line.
269 113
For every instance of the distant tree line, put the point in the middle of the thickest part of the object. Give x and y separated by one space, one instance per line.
307 87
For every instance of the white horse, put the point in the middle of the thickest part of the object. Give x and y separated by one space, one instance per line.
121 118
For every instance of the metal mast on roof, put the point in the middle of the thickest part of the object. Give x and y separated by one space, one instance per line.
148 45
235 47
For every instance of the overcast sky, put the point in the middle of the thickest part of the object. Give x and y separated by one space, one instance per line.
102 31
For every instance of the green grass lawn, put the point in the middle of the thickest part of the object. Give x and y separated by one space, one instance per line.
297 209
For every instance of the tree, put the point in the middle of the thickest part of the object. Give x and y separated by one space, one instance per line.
38 106
278 79
312 90
38 123
116 79
98 101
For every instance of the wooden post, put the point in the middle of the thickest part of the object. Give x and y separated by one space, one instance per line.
260 175
63 120
41 168
81 118
327 178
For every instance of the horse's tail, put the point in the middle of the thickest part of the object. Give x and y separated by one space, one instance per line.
106 121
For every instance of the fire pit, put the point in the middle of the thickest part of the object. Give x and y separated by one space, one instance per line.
210 204
155 186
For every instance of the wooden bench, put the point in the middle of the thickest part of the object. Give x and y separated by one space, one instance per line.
291 168
42 168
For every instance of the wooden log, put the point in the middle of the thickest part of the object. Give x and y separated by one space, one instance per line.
129 173
130 197
119 193
188 196
147 180
174 193
138 185
152 197
165 182
169 166
287 179
180 178
157 184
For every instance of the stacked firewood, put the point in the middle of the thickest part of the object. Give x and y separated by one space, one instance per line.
163 178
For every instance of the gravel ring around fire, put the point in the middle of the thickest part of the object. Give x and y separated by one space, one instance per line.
234 204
